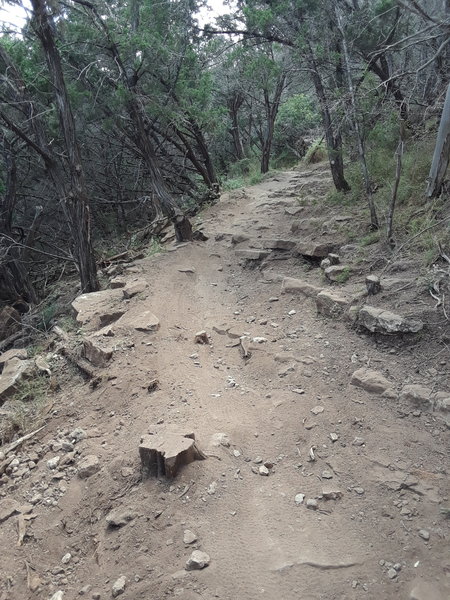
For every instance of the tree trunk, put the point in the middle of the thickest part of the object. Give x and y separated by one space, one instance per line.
272 107
441 154
333 140
77 202
362 155
234 104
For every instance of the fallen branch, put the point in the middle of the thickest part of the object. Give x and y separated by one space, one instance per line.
22 439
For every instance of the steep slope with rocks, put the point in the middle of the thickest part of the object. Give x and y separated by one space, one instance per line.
320 416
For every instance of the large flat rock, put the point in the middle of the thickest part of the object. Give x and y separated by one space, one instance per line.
378 320
291 285
14 370
98 309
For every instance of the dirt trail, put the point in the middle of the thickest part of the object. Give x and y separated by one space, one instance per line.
388 466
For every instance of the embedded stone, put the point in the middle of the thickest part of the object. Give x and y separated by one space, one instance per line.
331 303
378 320
370 380
290 285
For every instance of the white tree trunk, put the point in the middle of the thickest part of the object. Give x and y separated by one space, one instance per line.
441 154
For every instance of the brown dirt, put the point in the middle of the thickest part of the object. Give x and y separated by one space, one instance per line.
261 544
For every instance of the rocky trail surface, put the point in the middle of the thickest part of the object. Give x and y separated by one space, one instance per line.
319 415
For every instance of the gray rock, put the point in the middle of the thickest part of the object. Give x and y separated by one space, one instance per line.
299 498
253 255
312 504
96 351
14 371
263 471
392 573
198 560
331 303
133 288
53 462
337 272
416 394
358 441
370 380
239 237
117 282
315 249
189 537
119 586
21 353
119 517
89 465
327 475
290 285
378 320
97 309
424 534
278 244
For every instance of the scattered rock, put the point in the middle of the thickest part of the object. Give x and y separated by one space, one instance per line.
163 453
424 534
263 470
42 365
416 394
317 410
337 272
327 475
8 507
278 244
201 337
96 352
119 586
189 537
378 320
119 518
66 558
59 595
334 437
358 441
315 250
14 370
331 303
359 490
312 504
220 439
145 321
252 255
290 285
89 465
392 573
53 462
134 288
21 353
197 560
370 380
332 494
299 498
117 282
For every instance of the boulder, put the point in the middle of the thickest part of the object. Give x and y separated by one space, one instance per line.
21 353
378 320
331 303
163 453
89 465
337 272
134 287
10 322
98 309
315 249
370 380
14 370
290 285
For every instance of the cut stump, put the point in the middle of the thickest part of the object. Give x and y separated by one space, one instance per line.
163 453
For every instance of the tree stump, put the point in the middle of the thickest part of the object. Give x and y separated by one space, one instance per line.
163 453
373 285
